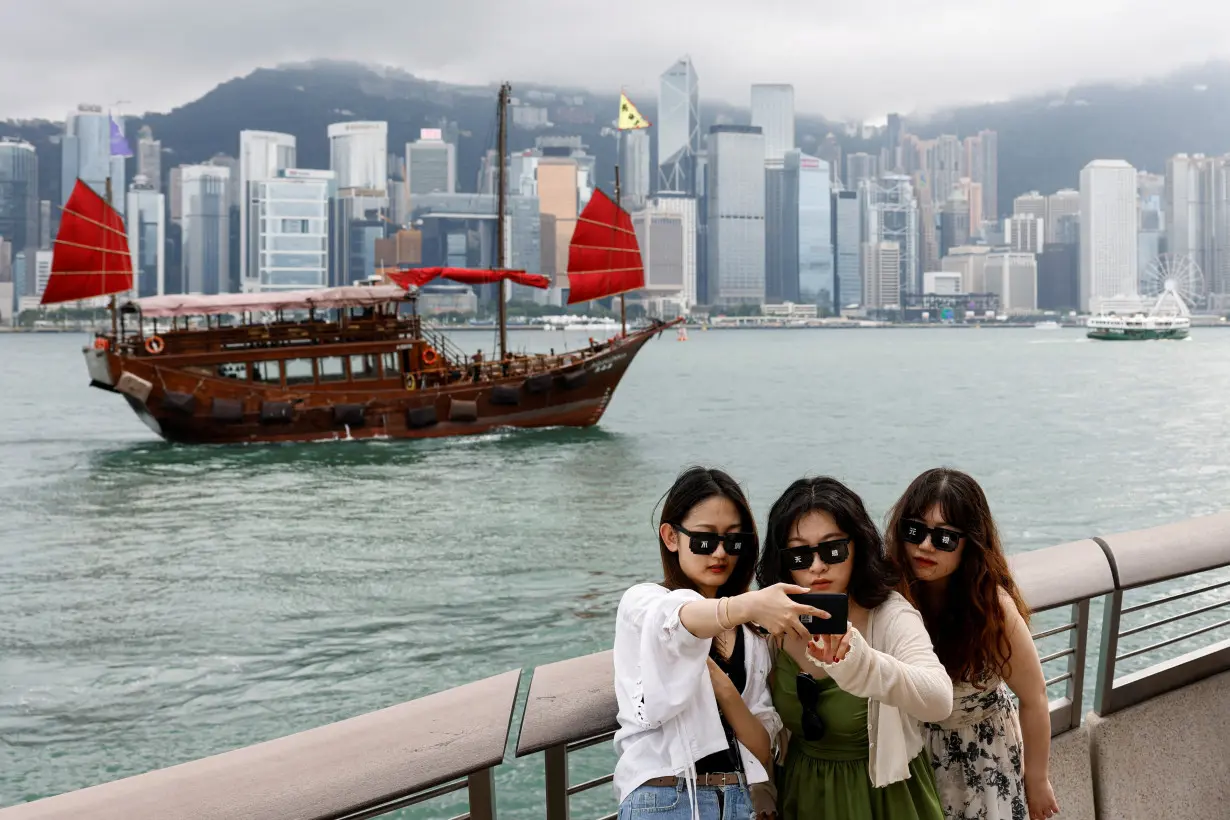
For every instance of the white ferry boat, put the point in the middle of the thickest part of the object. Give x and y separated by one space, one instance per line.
1138 327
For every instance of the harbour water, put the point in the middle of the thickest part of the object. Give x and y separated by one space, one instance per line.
159 603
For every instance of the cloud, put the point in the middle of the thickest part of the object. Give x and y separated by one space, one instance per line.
846 60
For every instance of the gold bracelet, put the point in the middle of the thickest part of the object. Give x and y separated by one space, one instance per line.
719 613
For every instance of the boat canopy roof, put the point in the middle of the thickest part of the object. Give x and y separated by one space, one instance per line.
157 307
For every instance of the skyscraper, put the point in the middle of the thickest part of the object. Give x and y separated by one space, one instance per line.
292 229
1108 235
1025 232
262 155
359 155
736 224
634 168
205 217
686 207
1197 208
558 199
19 204
431 165
86 155
860 167
1058 205
846 249
147 237
1013 277
678 128
1031 204
881 274
891 215
989 175
781 229
149 158
830 152
773 113
816 277
892 143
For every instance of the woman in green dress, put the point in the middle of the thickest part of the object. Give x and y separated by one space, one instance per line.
853 704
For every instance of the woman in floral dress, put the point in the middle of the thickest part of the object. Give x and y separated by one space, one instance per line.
991 760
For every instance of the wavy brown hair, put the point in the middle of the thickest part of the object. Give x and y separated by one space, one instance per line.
970 632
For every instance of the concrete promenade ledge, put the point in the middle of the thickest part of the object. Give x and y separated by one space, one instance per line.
1155 741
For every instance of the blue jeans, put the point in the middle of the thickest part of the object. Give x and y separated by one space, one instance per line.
672 803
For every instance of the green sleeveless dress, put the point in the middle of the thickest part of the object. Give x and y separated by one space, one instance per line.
827 779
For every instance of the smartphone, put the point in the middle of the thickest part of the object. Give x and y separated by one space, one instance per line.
834 603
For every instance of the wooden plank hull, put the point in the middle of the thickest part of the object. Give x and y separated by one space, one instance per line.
575 395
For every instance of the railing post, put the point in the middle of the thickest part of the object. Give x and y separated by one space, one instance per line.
481 788
1110 649
1077 660
557 782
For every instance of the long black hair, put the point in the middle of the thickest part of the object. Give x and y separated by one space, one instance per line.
694 486
874 574
971 632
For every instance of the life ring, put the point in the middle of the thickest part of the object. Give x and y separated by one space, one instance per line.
430 356
409 381
154 345
101 343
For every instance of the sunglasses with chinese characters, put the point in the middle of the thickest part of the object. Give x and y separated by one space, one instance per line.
706 543
832 552
915 532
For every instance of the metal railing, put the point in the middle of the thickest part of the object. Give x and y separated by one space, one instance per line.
453 740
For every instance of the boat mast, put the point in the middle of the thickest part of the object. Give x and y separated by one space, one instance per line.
111 305
623 318
501 206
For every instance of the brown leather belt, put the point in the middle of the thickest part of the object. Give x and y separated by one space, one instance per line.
714 779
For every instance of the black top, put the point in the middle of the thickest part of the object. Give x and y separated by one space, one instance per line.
727 760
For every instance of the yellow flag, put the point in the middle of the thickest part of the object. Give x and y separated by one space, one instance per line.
629 117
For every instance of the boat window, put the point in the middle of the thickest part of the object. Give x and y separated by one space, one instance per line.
232 370
298 371
266 372
391 365
363 367
332 369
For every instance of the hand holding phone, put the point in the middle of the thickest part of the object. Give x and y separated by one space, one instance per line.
836 604
775 609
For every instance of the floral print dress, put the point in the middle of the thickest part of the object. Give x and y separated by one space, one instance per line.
978 755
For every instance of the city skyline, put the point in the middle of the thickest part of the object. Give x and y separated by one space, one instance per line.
886 65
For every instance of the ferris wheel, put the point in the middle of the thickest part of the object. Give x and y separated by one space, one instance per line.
1174 276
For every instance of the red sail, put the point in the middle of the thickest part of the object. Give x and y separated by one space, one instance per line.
417 277
604 258
91 255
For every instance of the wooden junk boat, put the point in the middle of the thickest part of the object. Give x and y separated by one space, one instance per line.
344 362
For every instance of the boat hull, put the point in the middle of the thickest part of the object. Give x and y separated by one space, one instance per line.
573 395
1137 335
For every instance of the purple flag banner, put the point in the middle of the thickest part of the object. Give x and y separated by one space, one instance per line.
119 145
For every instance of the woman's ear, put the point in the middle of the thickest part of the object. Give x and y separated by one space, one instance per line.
669 536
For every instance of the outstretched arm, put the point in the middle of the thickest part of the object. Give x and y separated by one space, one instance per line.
907 675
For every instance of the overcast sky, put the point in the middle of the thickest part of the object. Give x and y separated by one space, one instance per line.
847 59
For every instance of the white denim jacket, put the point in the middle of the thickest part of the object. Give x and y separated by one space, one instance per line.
668 715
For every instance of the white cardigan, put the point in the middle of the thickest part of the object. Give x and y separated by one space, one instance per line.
668 715
896 669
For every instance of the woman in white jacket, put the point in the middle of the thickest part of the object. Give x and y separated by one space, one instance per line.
696 723
852 704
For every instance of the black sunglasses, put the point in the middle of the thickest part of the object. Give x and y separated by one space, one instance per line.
915 532
809 695
832 552
706 543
